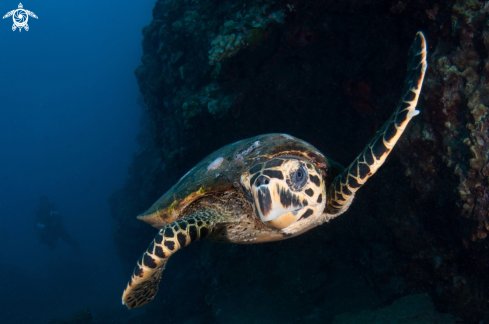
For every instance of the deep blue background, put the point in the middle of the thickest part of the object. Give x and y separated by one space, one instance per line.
68 122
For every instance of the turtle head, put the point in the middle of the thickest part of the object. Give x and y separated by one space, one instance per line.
285 190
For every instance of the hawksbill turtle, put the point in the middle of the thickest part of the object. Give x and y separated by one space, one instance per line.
20 17
266 188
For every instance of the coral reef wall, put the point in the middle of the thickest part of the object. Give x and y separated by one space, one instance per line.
328 72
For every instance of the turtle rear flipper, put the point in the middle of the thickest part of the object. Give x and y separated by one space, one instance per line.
344 186
143 285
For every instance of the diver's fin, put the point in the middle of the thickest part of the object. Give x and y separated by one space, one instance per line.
344 186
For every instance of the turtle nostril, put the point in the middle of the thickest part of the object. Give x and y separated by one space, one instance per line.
262 180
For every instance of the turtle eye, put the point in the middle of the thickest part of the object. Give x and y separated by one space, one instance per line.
299 177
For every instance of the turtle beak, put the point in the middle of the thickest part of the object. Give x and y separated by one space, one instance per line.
273 199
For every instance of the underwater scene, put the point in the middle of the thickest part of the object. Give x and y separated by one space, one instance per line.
241 134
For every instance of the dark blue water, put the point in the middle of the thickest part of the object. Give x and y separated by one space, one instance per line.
68 120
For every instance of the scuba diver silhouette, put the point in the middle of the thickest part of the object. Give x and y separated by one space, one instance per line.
50 227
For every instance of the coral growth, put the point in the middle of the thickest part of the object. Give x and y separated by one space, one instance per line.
462 94
224 46
329 72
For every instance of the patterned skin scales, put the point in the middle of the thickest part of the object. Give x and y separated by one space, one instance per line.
262 189
343 189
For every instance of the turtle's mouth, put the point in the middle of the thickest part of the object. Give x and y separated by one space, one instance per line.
275 204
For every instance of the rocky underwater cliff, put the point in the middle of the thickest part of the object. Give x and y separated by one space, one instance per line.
330 73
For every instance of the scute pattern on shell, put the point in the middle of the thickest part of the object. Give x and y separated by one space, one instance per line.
238 156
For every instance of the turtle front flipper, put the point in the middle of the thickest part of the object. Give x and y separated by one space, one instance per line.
143 285
344 186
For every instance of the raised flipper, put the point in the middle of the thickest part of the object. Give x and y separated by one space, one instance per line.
344 186
143 285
